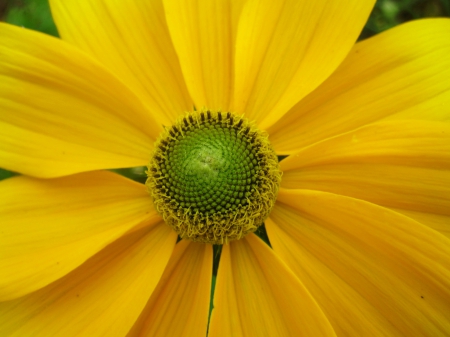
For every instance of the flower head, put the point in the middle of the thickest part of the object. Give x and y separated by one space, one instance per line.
358 225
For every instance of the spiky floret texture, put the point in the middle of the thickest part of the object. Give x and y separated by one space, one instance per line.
213 176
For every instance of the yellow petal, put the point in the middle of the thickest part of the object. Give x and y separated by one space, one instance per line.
62 113
50 227
400 74
285 49
397 164
179 306
131 39
414 143
438 222
103 297
373 272
204 34
256 295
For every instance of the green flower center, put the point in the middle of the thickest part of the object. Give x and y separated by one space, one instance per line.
213 177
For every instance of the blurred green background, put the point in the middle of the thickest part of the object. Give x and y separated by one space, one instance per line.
35 14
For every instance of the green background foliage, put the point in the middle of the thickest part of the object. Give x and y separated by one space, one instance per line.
33 14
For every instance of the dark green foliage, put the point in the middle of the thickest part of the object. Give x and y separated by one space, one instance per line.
33 14
390 13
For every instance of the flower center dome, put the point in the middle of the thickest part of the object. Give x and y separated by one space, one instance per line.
213 177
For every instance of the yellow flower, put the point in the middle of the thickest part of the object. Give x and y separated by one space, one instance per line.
359 232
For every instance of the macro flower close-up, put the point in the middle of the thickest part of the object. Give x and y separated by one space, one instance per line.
297 179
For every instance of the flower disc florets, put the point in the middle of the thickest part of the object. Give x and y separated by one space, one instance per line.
213 177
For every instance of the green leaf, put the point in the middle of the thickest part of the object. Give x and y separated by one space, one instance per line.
4 174
32 14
